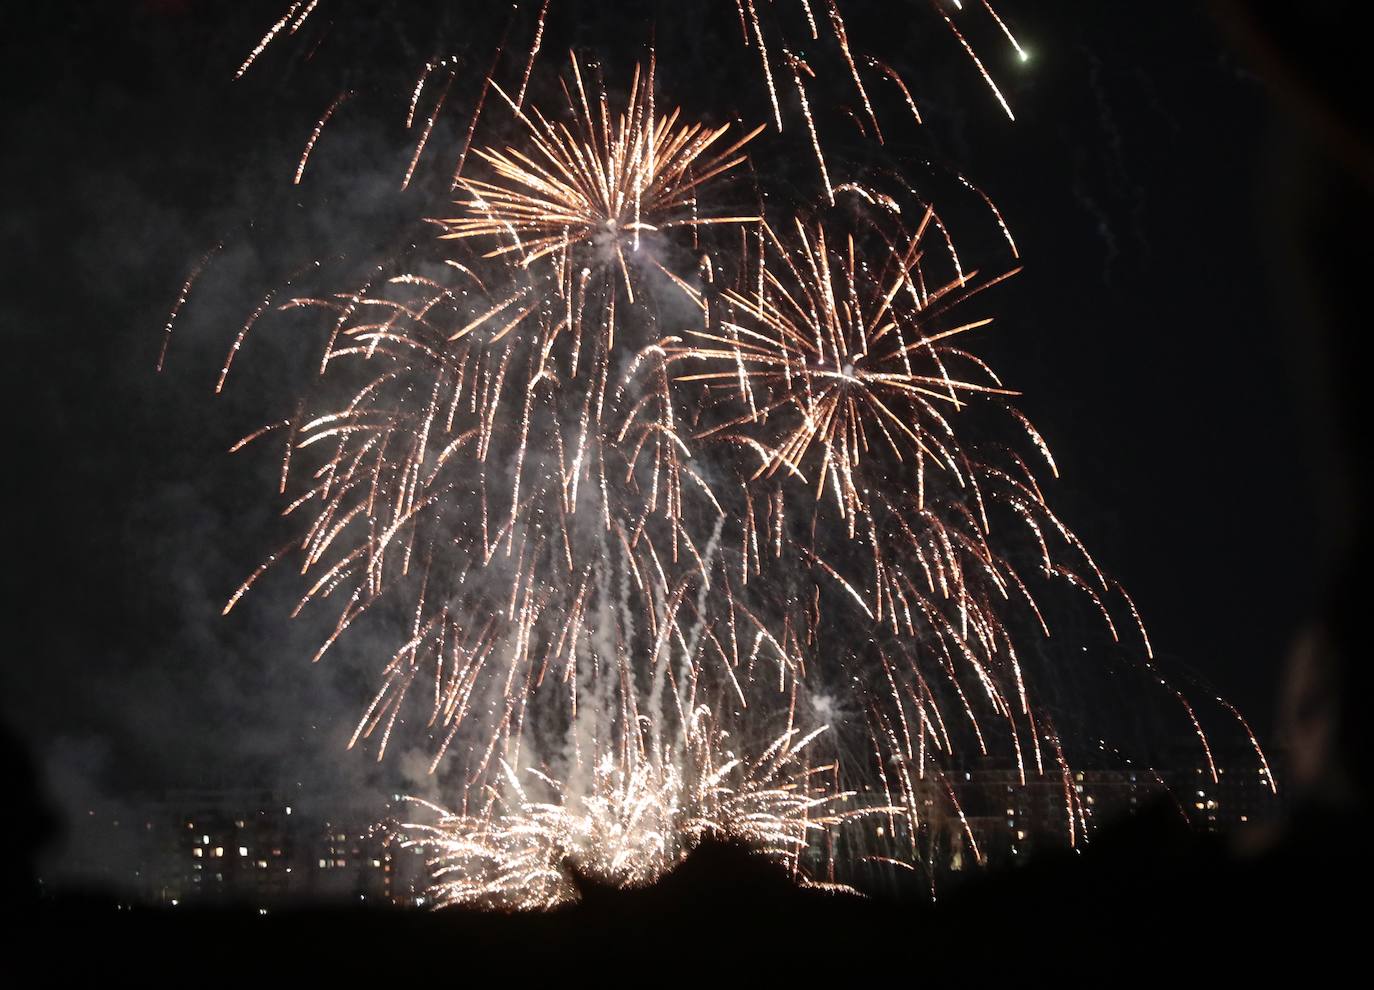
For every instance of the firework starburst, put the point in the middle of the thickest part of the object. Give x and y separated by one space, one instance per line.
600 182
750 562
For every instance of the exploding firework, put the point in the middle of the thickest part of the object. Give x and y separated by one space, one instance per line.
602 184
514 475
698 515
843 381
840 357
631 825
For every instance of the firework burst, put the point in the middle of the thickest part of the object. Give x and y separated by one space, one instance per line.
823 341
836 387
632 825
515 478
717 547
602 182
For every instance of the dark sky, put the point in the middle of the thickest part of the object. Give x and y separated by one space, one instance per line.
1145 333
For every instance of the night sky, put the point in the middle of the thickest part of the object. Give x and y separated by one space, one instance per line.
1146 333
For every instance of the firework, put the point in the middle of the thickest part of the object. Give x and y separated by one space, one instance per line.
632 825
843 381
515 477
697 516
603 183
835 350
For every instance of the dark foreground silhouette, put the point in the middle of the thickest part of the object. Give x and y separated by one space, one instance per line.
1149 895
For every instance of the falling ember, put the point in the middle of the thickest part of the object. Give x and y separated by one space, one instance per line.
182 296
978 63
315 134
1020 52
773 60
275 30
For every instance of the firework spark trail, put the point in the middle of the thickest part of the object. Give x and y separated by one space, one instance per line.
534 53
315 135
774 60
182 296
1020 52
270 36
978 62
643 559
798 66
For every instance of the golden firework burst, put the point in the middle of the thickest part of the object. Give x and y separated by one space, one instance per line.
602 180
